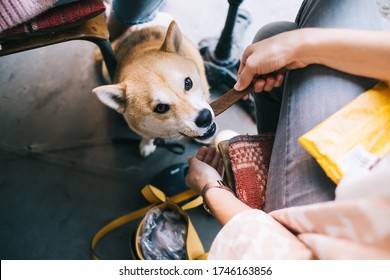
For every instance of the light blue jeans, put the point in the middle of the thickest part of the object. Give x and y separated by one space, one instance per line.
308 96
133 12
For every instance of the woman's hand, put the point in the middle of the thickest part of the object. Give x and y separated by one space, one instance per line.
264 63
357 52
205 167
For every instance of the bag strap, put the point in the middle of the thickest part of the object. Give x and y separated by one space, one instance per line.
152 195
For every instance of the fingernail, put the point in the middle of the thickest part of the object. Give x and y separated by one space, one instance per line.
237 86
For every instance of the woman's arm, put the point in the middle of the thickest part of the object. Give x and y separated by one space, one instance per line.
223 204
205 168
358 52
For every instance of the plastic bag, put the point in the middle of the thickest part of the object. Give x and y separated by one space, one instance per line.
354 138
191 247
163 235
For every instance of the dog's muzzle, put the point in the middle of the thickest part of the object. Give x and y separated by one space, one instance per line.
203 120
209 133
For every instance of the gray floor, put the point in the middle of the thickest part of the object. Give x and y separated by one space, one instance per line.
52 203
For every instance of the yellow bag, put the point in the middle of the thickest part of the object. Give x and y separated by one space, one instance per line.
356 136
193 245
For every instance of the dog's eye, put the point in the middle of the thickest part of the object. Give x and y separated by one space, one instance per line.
187 83
161 108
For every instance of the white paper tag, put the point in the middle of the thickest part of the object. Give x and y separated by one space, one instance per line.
357 159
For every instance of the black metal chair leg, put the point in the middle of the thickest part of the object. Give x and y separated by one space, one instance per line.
108 56
222 56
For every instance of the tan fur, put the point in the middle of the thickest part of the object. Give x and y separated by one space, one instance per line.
153 64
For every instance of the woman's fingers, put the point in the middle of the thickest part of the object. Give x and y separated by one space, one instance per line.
268 83
258 85
202 152
209 155
246 70
221 167
279 80
215 161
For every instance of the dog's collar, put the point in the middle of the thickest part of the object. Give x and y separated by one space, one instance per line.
174 147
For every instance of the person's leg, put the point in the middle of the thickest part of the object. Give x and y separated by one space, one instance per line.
310 96
125 13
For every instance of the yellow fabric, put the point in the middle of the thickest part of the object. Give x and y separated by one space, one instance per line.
194 246
360 131
153 194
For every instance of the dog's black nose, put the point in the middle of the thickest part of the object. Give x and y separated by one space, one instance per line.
204 118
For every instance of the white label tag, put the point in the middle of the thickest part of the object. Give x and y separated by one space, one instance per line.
357 159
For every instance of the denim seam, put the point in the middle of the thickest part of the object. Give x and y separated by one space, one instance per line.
298 18
287 159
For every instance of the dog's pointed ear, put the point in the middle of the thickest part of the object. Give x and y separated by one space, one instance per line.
173 39
114 96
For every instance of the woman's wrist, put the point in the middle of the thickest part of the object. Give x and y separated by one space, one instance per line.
214 185
201 183
224 205
304 41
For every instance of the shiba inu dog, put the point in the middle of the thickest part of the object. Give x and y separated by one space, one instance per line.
160 87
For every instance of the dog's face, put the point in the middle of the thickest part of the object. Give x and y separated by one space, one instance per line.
162 96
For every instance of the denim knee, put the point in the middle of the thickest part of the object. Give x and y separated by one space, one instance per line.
133 12
274 28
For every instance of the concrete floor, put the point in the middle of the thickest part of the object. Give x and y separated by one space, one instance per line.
52 203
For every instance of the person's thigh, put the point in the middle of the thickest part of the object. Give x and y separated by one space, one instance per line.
310 96
352 14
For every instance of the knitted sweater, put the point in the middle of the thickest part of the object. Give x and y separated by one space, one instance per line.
13 12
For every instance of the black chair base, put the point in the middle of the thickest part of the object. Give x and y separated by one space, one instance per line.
222 55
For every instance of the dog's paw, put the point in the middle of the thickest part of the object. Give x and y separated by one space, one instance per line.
147 147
